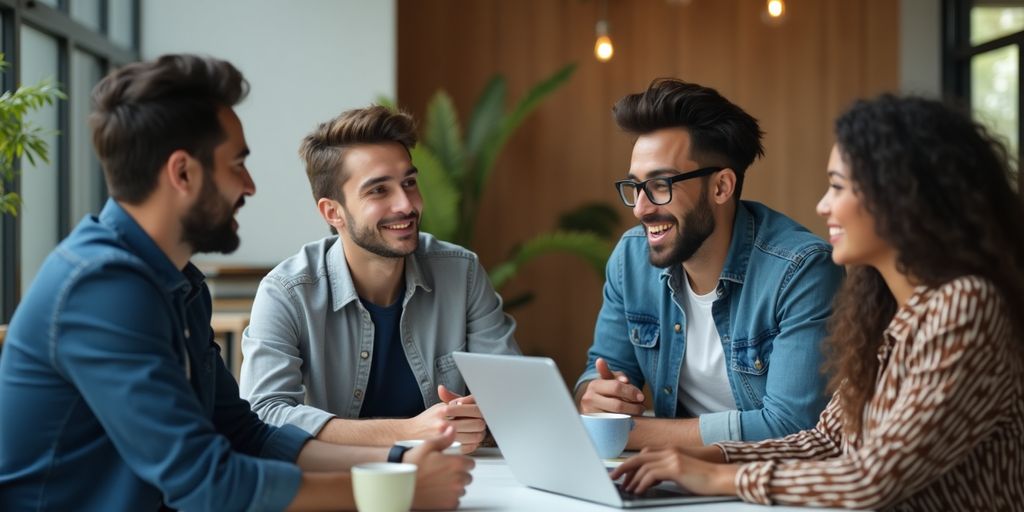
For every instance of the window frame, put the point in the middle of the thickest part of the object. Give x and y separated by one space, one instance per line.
70 35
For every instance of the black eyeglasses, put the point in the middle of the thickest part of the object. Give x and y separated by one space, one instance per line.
658 190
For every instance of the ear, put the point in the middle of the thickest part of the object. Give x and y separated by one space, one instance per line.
332 212
723 186
184 173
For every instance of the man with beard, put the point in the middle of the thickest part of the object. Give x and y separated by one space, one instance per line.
351 339
719 305
114 396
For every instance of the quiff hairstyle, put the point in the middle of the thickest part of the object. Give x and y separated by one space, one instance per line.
145 111
324 149
722 133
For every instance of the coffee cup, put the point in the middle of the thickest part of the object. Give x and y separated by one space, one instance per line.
454 449
608 431
383 486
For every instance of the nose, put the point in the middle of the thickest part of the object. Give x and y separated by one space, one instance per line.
248 185
403 203
643 205
824 207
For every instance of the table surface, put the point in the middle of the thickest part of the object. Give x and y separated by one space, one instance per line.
494 488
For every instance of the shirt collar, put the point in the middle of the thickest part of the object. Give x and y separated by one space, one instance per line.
144 247
344 290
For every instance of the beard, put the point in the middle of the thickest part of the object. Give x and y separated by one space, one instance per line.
209 224
698 224
371 239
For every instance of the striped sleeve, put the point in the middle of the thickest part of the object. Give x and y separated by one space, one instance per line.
821 442
944 398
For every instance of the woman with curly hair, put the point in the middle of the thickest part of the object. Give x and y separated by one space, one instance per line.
926 345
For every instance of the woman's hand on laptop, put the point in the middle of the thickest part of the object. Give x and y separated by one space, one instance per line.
679 465
440 479
465 416
612 392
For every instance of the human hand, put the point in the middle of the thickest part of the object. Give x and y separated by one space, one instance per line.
440 479
612 392
652 466
465 416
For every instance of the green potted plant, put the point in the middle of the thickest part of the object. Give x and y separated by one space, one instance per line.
18 138
455 169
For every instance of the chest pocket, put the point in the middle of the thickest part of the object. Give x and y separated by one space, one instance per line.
642 330
753 355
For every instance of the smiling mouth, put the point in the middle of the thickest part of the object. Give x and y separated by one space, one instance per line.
658 228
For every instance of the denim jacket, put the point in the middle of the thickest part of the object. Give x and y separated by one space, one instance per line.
114 396
308 349
774 297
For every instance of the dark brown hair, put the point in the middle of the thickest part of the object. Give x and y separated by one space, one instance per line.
722 133
323 150
145 111
937 185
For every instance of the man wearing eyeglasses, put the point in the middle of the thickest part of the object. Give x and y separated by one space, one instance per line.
719 305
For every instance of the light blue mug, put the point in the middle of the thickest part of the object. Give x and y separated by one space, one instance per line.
609 432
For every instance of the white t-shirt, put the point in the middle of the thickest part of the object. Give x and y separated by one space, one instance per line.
703 383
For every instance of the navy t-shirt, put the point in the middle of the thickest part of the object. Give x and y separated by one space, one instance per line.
392 391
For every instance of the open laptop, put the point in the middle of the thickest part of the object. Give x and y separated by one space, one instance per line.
532 417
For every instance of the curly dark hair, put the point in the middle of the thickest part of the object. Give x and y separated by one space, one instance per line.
723 134
938 186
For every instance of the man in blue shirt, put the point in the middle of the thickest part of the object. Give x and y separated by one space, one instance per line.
113 394
719 305
351 339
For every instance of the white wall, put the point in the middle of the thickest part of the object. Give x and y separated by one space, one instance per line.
306 61
921 47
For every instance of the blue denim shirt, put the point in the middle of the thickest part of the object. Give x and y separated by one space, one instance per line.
114 397
774 297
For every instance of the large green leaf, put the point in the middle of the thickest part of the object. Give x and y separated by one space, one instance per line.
590 247
443 135
440 196
484 164
488 116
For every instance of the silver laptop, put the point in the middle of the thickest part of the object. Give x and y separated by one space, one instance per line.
532 417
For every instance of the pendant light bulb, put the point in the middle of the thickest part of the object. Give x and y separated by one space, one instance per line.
603 48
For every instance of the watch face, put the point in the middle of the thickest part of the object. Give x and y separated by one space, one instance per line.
396 453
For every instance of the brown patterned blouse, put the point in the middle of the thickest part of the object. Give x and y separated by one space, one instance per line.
944 430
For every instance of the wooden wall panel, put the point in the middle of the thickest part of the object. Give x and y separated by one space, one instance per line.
795 77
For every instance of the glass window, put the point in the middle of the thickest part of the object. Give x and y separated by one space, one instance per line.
86 12
993 22
120 20
86 177
38 219
995 92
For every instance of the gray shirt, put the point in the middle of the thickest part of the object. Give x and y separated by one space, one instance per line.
308 348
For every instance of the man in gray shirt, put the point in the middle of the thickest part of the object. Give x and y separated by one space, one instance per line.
351 338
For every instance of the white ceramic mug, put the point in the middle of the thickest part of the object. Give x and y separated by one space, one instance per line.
383 486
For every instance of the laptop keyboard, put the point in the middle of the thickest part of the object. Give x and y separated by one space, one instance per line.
652 493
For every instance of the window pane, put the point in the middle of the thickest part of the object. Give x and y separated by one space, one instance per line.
38 216
121 17
86 177
86 12
988 23
995 93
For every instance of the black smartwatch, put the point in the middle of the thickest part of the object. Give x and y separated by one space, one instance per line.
396 453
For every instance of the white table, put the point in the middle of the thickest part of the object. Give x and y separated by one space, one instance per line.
495 489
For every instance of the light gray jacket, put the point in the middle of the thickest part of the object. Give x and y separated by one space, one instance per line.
308 347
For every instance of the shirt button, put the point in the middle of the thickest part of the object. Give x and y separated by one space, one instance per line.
364 354
667 390
358 394
679 328
757 364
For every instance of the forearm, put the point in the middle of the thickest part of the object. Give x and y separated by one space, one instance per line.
365 432
321 456
657 432
324 491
